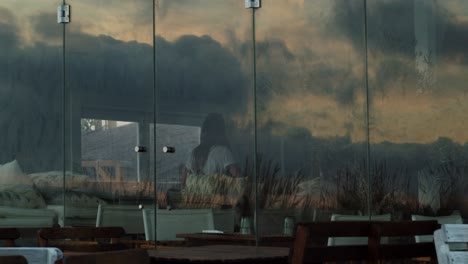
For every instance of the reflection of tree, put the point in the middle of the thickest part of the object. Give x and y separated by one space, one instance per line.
445 150
453 186
90 125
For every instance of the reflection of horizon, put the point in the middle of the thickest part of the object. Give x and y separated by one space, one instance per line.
399 118
330 128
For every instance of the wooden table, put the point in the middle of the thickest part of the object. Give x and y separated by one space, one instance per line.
202 239
221 254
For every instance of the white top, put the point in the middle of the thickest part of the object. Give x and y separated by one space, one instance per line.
219 158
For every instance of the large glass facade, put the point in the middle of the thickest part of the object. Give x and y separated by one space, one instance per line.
31 117
311 112
204 111
417 103
109 87
169 117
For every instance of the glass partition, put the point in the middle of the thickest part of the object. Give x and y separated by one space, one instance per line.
109 89
31 115
417 65
142 114
204 132
311 112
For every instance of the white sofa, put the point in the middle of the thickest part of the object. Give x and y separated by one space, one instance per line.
26 217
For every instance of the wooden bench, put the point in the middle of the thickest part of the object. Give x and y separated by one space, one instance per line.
448 234
308 243
86 239
13 259
9 235
115 257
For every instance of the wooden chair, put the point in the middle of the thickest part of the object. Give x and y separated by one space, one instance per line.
341 241
127 216
397 250
448 234
13 259
454 218
173 222
87 239
116 257
307 249
9 235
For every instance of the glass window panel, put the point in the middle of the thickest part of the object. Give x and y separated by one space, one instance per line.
203 67
109 71
311 111
417 65
31 115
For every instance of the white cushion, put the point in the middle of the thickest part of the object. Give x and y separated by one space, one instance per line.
77 199
22 218
16 186
50 183
76 216
11 175
9 198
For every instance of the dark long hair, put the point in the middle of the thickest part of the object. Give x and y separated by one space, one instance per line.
213 133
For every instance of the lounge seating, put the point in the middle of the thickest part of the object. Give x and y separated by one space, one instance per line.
13 259
115 257
307 250
127 216
337 241
177 221
454 218
86 239
9 235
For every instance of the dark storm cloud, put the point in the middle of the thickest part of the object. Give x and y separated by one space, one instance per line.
393 72
391 27
103 73
30 106
45 26
200 70
455 40
8 30
192 72
280 72
390 24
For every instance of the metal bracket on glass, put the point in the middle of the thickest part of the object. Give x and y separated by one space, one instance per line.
252 4
63 14
168 149
139 149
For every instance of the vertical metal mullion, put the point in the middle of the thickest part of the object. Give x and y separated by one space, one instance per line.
255 161
155 176
64 119
366 65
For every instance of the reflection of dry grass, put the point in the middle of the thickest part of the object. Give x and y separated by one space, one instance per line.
389 191
277 191
274 191
212 191
194 200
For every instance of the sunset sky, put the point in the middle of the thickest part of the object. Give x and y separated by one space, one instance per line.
310 53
